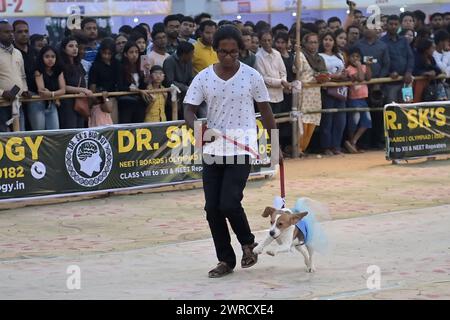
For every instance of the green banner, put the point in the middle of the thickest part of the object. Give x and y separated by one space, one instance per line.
62 162
417 130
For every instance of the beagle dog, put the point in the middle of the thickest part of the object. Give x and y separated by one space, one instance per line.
289 230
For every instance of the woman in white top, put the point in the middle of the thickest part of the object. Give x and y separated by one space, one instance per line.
332 124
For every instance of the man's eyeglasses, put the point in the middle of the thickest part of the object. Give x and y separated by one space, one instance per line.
232 53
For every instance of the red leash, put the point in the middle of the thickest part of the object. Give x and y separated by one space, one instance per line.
283 191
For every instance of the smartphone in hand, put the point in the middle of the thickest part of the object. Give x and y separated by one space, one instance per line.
145 62
14 91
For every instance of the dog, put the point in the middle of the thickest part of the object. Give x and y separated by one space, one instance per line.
290 230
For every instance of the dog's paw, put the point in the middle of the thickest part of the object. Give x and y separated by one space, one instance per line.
258 249
270 253
311 269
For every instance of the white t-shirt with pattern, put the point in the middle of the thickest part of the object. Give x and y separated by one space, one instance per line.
230 107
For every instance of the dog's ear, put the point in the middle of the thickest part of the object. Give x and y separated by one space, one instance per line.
297 217
268 212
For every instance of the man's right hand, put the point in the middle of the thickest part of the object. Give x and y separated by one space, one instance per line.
8 96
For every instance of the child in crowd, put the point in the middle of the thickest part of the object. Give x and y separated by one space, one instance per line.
156 106
357 122
101 111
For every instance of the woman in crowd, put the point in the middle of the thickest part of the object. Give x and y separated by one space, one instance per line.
43 115
333 124
341 42
311 66
132 108
74 76
104 72
425 65
120 40
409 34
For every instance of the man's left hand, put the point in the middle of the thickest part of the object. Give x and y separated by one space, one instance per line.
408 78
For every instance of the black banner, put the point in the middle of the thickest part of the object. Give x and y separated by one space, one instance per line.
417 130
60 162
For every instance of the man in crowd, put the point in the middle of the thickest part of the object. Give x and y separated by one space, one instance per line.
172 25
334 23
29 55
12 73
353 35
376 53
204 54
90 29
187 29
401 60
245 55
179 72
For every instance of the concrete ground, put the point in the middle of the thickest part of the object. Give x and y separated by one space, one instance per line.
158 246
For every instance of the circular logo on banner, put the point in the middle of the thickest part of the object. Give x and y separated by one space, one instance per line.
89 158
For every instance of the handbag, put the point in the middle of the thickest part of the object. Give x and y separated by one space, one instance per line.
81 105
435 91
339 93
407 94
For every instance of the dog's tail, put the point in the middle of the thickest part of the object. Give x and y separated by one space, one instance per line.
316 237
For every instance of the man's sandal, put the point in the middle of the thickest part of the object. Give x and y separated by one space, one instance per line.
249 258
222 269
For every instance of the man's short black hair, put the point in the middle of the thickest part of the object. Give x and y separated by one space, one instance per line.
357 11
207 23
249 24
420 15
441 35
184 47
158 28
187 19
224 22
436 14
18 22
393 17
319 22
126 29
86 21
171 17
334 19
198 18
279 27
228 32
407 14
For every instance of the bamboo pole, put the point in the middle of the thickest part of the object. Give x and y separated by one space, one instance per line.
297 98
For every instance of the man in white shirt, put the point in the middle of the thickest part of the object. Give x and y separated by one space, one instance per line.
159 51
271 66
229 89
